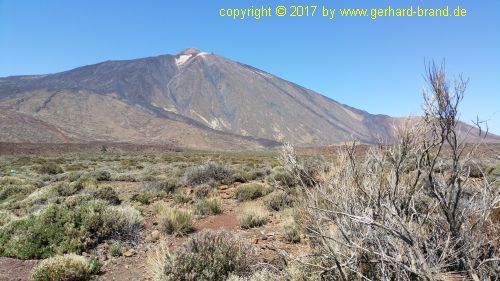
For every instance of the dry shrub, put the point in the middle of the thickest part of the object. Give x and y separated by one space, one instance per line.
109 194
280 200
169 186
207 256
249 191
49 168
208 207
391 214
6 217
292 233
69 267
206 173
176 221
252 218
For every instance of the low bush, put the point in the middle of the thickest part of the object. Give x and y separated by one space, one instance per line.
115 249
202 191
249 191
176 221
95 266
261 275
208 207
65 268
76 167
14 189
284 179
280 200
143 198
181 198
209 256
292 233
257 174
49 168
168 186
252 218
108 194
210 171
5 217
126 177
67 189
236 177
61 229
122 223
102 176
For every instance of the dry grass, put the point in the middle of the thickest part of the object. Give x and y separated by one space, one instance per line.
253 217
176 221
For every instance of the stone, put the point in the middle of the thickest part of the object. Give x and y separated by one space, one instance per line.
155 235
129 253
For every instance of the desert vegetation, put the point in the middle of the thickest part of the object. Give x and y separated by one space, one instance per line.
417 210
426 208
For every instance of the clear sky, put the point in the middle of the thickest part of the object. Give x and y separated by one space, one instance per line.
376 66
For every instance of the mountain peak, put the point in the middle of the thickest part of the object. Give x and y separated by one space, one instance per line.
190 51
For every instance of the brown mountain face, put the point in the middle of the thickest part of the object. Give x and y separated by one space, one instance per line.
193 99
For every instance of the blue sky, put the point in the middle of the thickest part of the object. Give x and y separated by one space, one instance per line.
376 66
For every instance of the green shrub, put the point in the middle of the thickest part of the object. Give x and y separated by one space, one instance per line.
73 176
95 266
49 168
115 249
60 229
206 173
176 221
64 268
261 275
67 189
5 217
202 191
257 174
76 167
292 233
252 218
168 186
12 195
122 223
87 181
294 272
142 198
285 179
207 207
109 194
236 177
102 176
209 256
181 198
249 191
126 177
40 236
280 200
160 206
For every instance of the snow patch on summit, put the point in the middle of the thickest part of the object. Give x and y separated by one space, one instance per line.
182 59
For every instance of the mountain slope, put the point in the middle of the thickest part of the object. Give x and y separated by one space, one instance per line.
192 99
